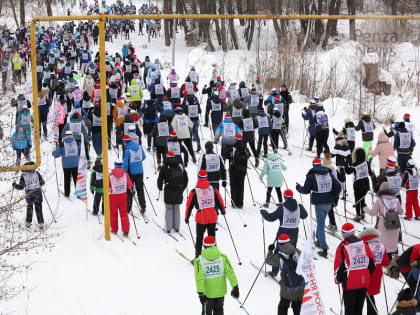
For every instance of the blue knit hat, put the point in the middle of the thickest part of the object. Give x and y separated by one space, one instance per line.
118 163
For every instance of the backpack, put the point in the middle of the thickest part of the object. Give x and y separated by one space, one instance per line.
150 112
176 178
391 219
240 160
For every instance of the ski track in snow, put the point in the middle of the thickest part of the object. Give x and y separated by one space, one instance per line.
87 275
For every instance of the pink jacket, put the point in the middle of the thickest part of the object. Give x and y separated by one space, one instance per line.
388 237
384 149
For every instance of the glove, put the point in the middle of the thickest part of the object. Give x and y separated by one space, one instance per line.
185 164
271 247
224 183
414 264
160 188
202 297
187 221
205 85
224 212
14 185
92 191
297 186
235 292
305 109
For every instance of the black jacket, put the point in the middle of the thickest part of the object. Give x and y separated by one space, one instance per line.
172 195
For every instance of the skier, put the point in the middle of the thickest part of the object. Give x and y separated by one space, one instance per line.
133 166
211 269
69 150
323 187
32 181
367 127
150 119
353 266
228 131
409 125
208 202
176 147
309 114
119 185
191 107
248 125
273 167
182 125
235 110
21 143
213 164
387 207
263 132
322 132
237 172
411 182
361 170
404 144
371 236
214 104
175 179
383 150
392 176
292 285
287 100
160 135
97 186
277 130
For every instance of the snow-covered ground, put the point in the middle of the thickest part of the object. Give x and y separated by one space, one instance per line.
84 274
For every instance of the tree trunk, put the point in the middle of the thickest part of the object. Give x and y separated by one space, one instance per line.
394 7
277 28
329 24
232 25
216 22
239 5
334 22
250 10
205 24
167 9
49 9
22 12
351 6
319 26
12 4
223 24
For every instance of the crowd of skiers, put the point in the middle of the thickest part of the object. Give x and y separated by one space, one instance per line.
166 121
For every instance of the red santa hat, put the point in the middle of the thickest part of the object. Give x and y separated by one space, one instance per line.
209 241
283 239
170 154
316 161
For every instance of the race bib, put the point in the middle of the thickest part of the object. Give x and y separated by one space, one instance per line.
175 92
277 122
248 124
159 89
193 111
255 100
405 140
212 268
76 128
290 218
357 256
163 129
244 92
136 156
205 197
216 107
182 123
362 171
236 112
324 183
351 134
368 126
31 180
135 90
378 250
118 184
70 149
413 180
167 106
173 146
127 127
262 121
229 129
96 121
212 163
395 183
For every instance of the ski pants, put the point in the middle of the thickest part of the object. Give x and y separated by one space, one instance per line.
331 216
26 152
322 141
160 153
215 306
366 146
353 301
38 212
412 203
371 305
96 202
227 153
97 142
68 174
351 144
200 229
402 161
172 217
251 143
188 144
194 131
311 142
237 186
262 141
275 139
118 203
137 180
278 191
321 211
284 305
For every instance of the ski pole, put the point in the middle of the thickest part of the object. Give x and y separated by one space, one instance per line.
341 299
234 246
239 213
253 283
157 199
386 299
135 226
265 254
369 299
11 195
154 162
242 306
303 222
49 207
150 199
250 189
56 179
192 237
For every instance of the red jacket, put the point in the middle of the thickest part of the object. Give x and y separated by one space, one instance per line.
406 258
381 259
119 172
353 264
204 194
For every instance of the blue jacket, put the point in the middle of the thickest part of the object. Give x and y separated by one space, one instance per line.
67 161
125 50
32 196
275 176
397 141
312 186
220 133
21 139
292 205
133 167
310 115
264 130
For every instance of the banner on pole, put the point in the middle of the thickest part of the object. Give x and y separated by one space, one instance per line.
81 182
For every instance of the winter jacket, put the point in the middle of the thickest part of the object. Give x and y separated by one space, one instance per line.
400 145
165 107
27 179
248 133
292 285
384 149
96 182
213 164
364 264
213 287
119 113
311 186
25 119
367 127
235 110
205 215
341 152
215 105
388 237
371 237
133 158
406 179
21 139
172 194
289 213
69 150
361 179
173 142
264 124
228 131
136 93
161 140
181 124
77 136
310 116
189 101
273 167
408 257
287 98
240 156
118 173
392 178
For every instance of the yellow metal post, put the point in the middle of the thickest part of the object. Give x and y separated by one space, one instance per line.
104 128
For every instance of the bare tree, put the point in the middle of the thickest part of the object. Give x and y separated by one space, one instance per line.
351 7
232 25
22 12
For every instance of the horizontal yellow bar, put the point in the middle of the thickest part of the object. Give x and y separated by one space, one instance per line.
230 16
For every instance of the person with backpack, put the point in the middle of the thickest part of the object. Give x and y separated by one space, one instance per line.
410 181
21 143
292 285
273 168
371 236
354 264
150 119
324 188
211 269
367 127
387 208
208 202
404 145
133 166
227 130
322 133
175 179
119 185
237 172
214 166
392 176
191 107
97 186
31 182
214 107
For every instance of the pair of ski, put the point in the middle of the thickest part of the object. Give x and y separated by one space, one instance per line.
266 274
169 234
123 239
